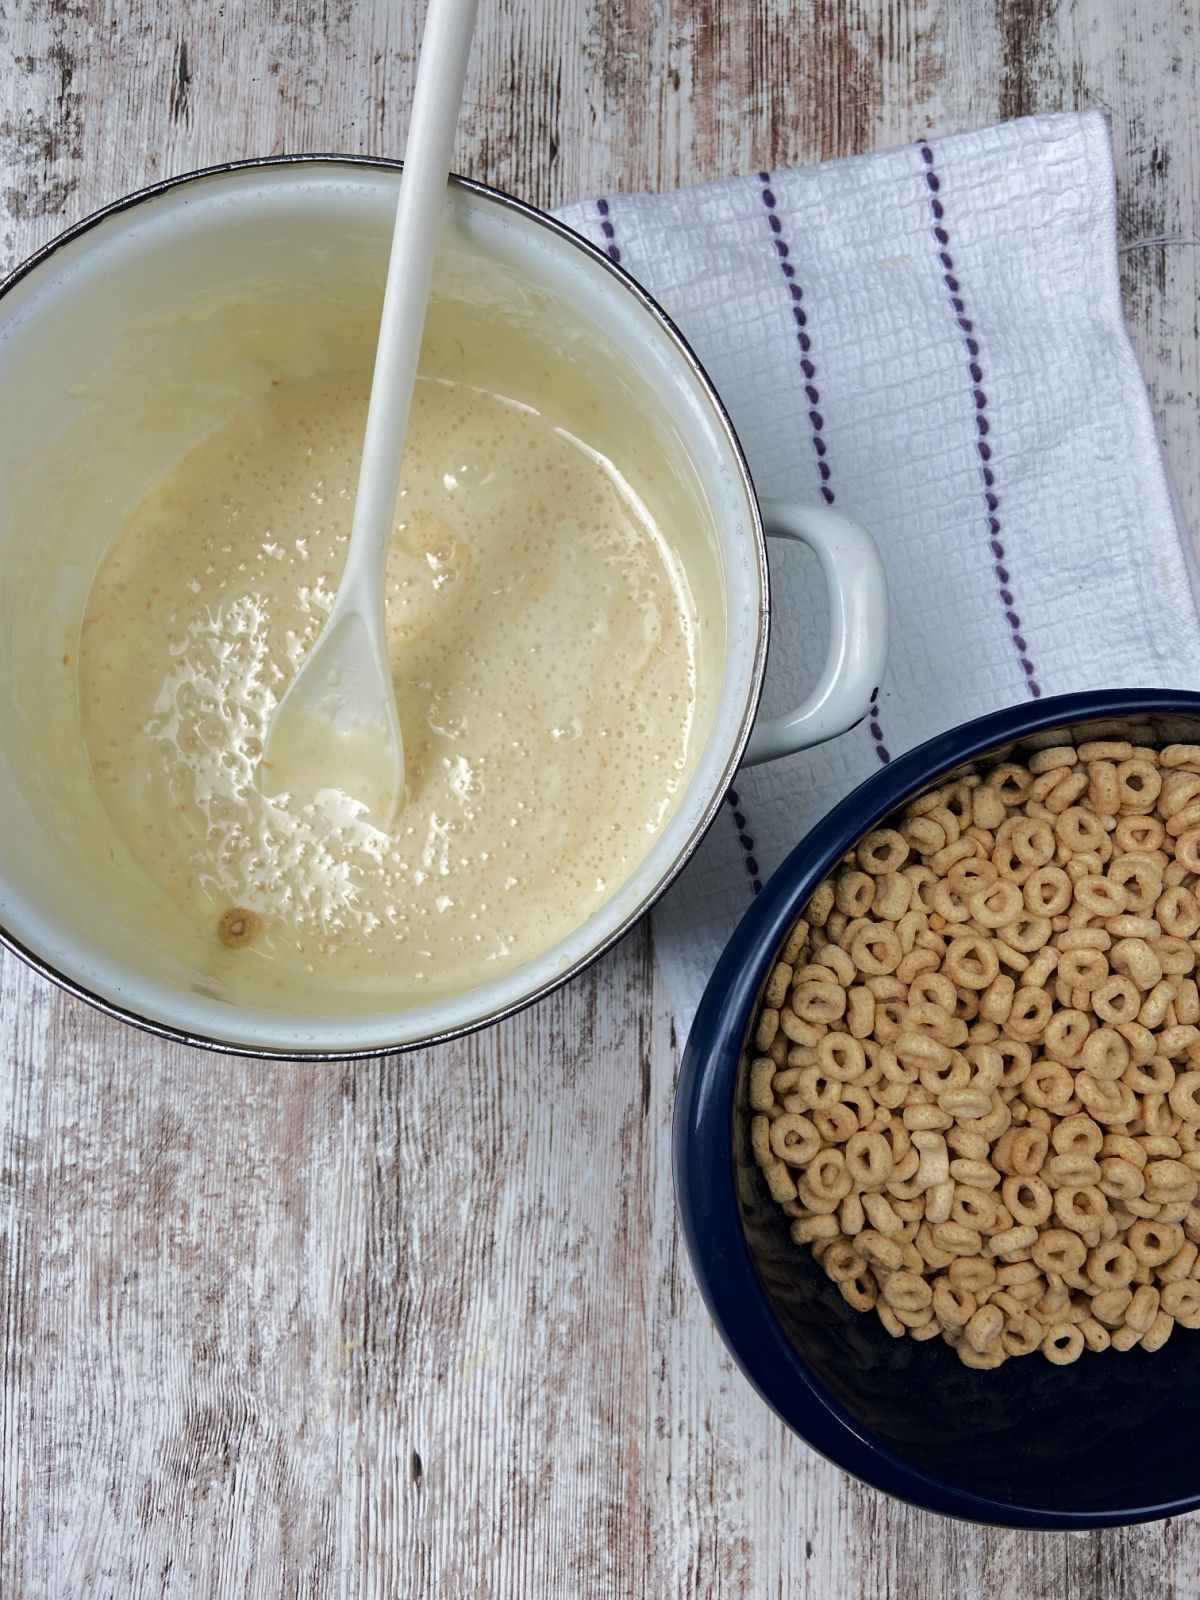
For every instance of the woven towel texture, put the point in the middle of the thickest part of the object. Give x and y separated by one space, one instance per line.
930 339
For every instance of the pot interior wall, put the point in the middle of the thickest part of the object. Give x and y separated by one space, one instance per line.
143 334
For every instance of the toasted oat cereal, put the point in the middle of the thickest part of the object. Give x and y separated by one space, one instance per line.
976 1085
238 927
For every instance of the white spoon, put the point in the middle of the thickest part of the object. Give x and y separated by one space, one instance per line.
336 727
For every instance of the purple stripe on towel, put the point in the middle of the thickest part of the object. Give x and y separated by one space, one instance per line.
815 420
733 800
983 447
609 232
746 840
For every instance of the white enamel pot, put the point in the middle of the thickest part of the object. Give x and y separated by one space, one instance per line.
135 334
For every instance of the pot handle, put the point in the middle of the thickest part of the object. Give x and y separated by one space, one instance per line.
858 630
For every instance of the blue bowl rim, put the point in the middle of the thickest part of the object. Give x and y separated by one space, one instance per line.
703 1152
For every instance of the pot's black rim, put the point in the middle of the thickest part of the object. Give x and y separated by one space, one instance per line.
703 1152
531 213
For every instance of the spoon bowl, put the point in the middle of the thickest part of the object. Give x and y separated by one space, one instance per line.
337 727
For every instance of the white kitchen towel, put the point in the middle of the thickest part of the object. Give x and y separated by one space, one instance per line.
930 339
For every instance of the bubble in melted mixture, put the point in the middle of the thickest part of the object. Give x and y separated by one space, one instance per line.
543 647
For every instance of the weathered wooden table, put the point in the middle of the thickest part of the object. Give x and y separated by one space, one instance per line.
423 1327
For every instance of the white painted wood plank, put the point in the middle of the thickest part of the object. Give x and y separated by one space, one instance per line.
424 1326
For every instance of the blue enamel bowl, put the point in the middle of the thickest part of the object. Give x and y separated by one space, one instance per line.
1112 1438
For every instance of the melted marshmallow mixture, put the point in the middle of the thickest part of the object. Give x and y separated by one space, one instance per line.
542 640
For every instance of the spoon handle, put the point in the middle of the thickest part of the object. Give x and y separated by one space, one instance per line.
437 99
